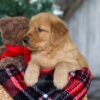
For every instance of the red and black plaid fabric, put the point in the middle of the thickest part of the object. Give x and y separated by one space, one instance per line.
11 78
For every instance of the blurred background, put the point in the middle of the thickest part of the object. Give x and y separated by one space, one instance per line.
82 18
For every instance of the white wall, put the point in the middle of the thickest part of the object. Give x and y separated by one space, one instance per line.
84 28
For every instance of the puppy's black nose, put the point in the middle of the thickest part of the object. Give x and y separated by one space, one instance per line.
25 39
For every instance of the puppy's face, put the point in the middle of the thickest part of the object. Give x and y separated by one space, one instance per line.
45 29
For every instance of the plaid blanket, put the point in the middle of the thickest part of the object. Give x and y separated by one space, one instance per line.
11 78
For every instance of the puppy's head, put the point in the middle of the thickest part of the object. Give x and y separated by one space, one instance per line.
45 29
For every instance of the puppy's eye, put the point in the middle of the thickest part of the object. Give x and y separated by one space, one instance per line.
40 29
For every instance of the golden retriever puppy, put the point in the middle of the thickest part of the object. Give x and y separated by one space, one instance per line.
52 48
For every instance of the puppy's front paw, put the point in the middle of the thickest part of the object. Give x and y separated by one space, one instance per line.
31 74
61 75
60 82
30 78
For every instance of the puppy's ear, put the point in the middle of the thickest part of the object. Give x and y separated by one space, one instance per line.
59 33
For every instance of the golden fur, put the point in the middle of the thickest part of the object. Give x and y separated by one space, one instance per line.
52 49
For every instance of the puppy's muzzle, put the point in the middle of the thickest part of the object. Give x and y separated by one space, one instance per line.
25 39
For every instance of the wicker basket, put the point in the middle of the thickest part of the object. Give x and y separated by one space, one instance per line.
4 95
